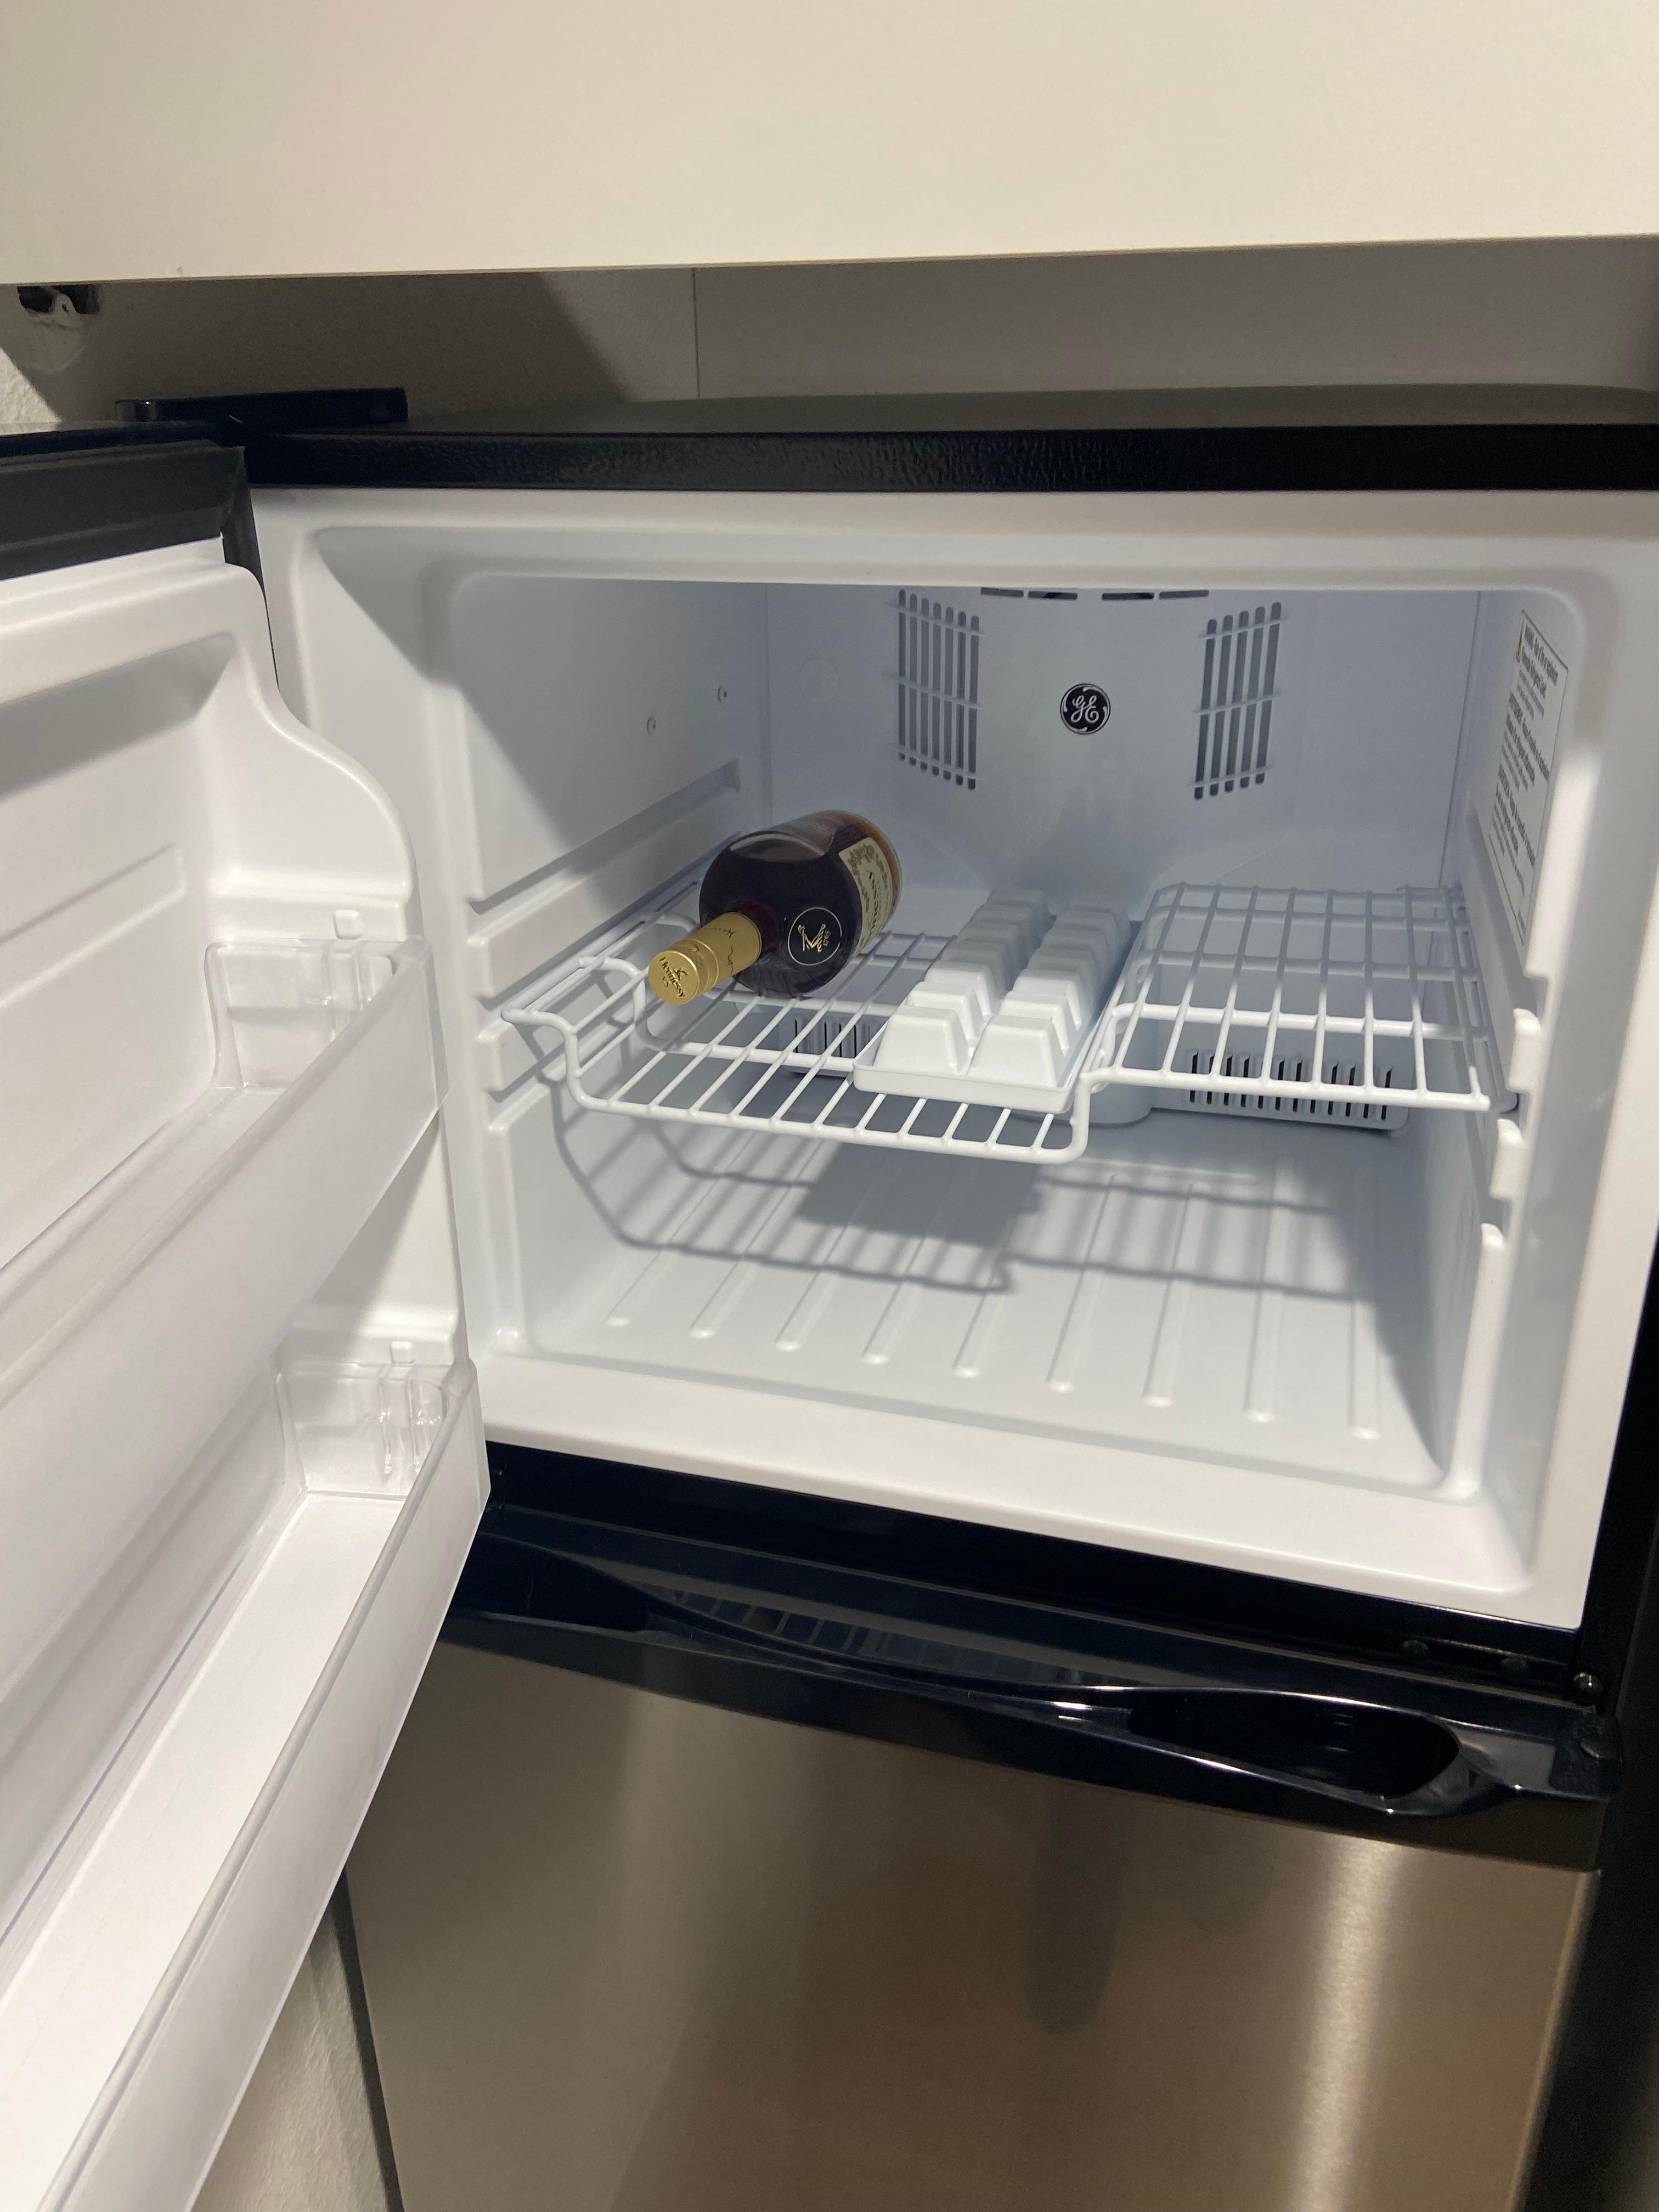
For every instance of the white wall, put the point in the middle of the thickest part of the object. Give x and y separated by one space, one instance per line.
228 137
1584 312
1580 311
303 2139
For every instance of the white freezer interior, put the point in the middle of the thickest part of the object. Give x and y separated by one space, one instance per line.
1374 1359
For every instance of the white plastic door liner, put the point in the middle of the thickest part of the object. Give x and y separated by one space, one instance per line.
240 1456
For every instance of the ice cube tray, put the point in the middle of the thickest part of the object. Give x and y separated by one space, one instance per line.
1005 1016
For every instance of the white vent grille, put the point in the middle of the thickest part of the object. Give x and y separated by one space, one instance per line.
1235 701
939 690
1343 1072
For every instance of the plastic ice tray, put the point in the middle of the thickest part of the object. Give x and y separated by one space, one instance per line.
1005 1015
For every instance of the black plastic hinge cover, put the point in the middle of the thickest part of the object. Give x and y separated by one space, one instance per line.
233 417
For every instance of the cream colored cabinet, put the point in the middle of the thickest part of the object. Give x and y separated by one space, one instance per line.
227 139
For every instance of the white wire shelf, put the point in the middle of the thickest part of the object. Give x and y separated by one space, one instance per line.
1328 1005
734 1058
1344 1004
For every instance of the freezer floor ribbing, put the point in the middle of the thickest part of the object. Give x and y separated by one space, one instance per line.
1191 1283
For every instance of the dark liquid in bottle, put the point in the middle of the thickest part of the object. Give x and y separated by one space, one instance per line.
814 908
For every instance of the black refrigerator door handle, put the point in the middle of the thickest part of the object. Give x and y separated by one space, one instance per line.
1328 1749
1332 1748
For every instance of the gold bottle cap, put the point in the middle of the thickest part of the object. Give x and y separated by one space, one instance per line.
708 955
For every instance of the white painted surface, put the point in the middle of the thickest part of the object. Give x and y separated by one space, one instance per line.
519 136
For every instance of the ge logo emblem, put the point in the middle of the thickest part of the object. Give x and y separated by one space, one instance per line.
1085 707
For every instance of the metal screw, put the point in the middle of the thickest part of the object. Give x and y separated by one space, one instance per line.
1587 1688
1415 1648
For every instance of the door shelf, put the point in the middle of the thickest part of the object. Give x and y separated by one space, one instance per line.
1325 1006
130 1329
247 1775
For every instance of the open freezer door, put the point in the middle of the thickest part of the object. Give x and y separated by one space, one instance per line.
240 1456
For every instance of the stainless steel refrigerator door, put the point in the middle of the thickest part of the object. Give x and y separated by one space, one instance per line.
627 1954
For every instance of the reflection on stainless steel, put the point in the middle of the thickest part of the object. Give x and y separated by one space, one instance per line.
1072 1905
629 1954
1358 1913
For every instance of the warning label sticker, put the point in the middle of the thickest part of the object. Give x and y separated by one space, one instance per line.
1519 804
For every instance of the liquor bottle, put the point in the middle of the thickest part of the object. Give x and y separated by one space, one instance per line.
784 910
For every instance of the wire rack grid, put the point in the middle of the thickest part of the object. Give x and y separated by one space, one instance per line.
1329 1000
737 1059
1327 1004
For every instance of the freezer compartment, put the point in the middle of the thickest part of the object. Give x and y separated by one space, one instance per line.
1293 1276
1303 1269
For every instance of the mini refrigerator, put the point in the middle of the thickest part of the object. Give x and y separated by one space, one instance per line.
1071 1637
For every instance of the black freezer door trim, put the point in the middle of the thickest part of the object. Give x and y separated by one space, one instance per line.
709 449
878 1623
68 496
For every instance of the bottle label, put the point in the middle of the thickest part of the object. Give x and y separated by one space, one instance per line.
815 937
867 865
